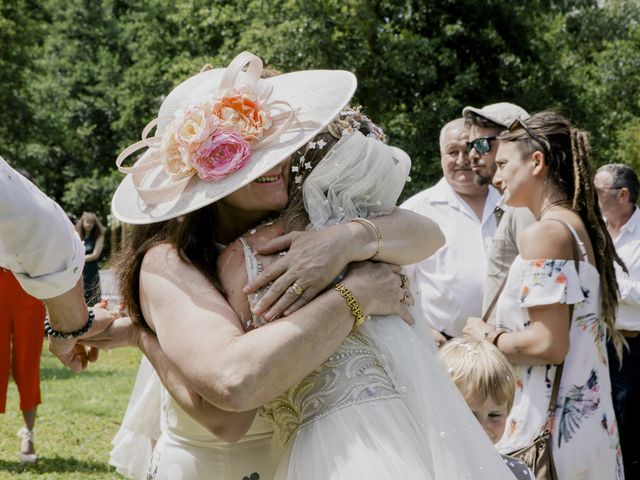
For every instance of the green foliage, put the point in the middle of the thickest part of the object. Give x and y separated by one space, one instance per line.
83 77
79 416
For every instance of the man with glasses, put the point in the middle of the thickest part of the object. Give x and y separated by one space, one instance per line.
485 124
617 188
450 281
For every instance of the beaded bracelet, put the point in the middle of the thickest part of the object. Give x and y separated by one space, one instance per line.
368 223
69 335
354 306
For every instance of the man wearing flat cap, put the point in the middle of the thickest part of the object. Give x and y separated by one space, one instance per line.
485 124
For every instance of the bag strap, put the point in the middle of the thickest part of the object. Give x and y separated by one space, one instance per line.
487 313
551 409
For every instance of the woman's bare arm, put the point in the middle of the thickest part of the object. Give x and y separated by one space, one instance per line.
123 332
315 258
202 335
226 425
546 341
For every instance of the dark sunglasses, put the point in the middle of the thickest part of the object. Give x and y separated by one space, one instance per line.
482 145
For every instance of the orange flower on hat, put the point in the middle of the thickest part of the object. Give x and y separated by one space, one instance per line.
242 113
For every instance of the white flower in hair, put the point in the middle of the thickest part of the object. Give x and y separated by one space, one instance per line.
321 143
294 168
311 145
307 165
298 178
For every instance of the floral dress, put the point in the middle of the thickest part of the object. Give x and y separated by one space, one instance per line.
584 432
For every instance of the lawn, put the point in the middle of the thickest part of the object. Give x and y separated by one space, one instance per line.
79 415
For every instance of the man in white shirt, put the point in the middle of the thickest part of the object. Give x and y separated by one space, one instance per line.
39 245
450 281
617 187
484 125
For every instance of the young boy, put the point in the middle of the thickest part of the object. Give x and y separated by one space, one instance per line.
486 380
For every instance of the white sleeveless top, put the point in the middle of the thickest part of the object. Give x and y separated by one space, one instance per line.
584 432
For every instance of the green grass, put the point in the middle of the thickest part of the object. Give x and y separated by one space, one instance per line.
78 417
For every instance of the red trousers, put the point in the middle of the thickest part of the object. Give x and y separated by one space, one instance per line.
21 337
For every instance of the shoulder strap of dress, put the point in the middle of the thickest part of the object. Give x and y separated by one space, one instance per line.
576 244
253 267
250 261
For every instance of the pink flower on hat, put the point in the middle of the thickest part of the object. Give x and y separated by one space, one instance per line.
223 153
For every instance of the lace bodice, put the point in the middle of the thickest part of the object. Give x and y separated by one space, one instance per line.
353 374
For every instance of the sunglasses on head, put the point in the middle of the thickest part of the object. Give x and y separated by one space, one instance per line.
518 124
482 144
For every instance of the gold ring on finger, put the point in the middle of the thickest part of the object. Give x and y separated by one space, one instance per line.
296 289
404 281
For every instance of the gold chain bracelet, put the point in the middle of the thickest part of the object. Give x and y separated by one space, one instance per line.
354 306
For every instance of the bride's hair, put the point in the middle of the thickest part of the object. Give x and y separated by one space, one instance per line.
303 161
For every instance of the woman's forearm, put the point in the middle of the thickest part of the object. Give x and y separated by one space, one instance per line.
226 425
526 348
261 364
406 238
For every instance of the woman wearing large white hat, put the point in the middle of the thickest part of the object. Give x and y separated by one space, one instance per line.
213 170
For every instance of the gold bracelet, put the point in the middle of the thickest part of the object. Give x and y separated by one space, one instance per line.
356 311
368 223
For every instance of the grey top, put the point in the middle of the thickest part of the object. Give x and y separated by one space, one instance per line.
504 249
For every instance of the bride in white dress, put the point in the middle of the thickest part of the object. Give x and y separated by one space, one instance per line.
381 406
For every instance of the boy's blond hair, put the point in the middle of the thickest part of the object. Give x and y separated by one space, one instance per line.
479 368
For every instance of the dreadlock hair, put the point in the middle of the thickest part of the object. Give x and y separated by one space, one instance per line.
567 155
193 236
306 158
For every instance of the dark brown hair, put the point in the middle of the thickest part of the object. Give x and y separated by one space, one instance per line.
95 232
193 235
472 119
567 155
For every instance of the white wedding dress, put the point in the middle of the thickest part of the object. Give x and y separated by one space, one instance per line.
381 407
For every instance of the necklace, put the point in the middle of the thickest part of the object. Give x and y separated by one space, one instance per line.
550 206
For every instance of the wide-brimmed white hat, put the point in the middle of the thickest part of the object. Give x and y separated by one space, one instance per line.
220 130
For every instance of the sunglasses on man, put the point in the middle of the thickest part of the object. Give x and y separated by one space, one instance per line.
481 144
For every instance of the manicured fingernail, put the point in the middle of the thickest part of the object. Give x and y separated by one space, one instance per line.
269 315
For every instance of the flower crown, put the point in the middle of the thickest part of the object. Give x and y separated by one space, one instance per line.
349 120
352 119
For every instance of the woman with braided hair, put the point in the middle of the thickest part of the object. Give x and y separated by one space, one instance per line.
555 312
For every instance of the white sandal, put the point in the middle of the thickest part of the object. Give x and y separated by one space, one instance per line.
27 438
